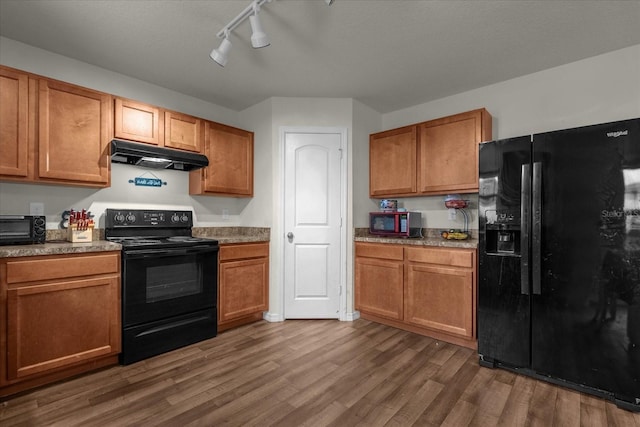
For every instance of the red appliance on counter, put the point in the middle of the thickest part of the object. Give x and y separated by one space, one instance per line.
396 224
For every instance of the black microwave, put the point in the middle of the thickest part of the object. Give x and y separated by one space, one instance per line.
22 229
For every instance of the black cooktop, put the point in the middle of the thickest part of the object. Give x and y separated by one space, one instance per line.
173 241
136 228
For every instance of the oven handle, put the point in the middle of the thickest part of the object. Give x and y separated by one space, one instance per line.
153 253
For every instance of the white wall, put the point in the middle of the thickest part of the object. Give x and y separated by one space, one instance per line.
595 90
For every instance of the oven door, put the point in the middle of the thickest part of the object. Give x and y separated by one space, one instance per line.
162 283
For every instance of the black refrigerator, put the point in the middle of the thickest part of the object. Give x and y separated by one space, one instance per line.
559 258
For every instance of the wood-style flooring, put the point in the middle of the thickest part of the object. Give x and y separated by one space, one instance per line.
311 372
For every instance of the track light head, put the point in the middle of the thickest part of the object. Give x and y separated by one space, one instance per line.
221 54
258 37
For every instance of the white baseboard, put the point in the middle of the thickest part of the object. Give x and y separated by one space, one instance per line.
272 317
350 317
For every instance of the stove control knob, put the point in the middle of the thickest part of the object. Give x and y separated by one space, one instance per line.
184 218
175 218
118 217
131 218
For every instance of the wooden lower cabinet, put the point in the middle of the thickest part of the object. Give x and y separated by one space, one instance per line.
243 291
432 291
379 271
62 317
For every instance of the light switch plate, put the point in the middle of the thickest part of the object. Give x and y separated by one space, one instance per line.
36 208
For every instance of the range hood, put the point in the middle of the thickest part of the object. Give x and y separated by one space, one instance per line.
150 156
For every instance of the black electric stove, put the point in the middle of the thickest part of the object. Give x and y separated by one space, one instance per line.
169 281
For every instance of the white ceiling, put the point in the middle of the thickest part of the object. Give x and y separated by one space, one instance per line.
386 54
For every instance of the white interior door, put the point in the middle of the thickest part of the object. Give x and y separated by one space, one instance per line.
314 200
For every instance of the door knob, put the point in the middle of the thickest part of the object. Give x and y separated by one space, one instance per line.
290 235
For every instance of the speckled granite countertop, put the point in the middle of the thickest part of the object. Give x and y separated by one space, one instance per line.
229 235
432 238
57 248
57 245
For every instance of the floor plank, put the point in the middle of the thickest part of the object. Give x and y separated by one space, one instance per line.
310 373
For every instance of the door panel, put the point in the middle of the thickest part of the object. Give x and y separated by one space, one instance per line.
313 204
583 327
503 303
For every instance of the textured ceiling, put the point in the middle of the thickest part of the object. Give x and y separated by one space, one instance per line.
386 54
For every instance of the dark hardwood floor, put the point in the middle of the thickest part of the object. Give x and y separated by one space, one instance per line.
311 372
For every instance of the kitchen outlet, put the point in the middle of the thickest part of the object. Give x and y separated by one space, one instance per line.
225 214
452 214
36 208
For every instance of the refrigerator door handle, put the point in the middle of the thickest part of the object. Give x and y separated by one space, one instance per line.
537 228
525 210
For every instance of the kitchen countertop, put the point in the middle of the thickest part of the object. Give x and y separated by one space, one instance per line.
230 235
56 245
57 248
432 238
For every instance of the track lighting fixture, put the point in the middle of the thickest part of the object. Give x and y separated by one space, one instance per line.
258 37
221 54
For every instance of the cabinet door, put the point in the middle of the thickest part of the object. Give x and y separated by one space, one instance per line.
440 298
14 109
74 134
138 122
392 162
183 132
60 324
378 287
448 152
230 170
244 288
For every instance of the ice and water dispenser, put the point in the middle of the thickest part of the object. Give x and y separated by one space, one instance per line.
503 233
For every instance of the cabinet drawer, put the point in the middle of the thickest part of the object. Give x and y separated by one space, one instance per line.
244 251
29 270
373 250
450 257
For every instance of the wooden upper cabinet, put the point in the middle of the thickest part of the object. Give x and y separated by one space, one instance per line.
435 157
135 121
392 162
138 122
183 132
230 170
74 131
14 110
448 152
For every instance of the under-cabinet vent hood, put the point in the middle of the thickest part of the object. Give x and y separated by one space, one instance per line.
150 156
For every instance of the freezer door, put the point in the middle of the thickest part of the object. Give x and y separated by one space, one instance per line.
586 257
503 272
